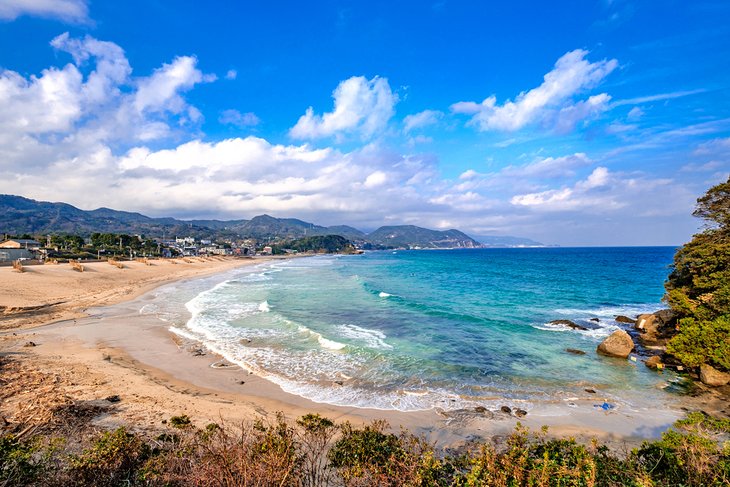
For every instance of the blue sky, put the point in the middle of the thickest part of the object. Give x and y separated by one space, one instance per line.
572 123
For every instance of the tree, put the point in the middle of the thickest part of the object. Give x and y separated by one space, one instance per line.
698 288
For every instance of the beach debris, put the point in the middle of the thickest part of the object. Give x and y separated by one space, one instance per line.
76 265
520 413
506 409
115 263
590 391
569 324
712 377
50 262
197 352
29 344
617 344
605 406
633 358
18 266
575 351
113 398
241 382
624 319
653 362
144 260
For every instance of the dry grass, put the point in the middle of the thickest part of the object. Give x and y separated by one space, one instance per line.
76 265
115 263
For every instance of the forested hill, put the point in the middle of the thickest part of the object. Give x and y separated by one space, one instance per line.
19 215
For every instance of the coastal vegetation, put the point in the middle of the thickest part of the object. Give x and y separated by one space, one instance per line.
315 451
698 288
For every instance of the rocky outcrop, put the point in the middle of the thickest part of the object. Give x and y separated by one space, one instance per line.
618 344
653 362
625 319
569 324
712 377
656 328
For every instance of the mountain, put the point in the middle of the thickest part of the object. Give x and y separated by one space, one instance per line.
501 242
412 236
20 215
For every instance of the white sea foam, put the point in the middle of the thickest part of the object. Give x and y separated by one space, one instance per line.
384 294
372 338
264 307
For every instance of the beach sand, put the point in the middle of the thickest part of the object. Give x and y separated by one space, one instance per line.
115 351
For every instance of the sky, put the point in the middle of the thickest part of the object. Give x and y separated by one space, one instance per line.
572 123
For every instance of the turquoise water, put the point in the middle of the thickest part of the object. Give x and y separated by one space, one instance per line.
412 330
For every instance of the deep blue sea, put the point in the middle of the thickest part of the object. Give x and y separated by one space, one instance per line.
412 330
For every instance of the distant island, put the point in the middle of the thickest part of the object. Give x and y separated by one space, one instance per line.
24 216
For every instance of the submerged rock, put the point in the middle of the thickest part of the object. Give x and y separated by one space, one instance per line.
575 351
569 324
712 377
617 344
506 409
520 413
596 320
590 391
625 319
480 409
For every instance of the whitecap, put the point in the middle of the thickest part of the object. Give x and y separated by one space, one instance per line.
264 307
373 338
384 295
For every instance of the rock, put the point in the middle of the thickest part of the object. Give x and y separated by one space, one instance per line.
590 391
113 398
480 409
653 362
569 324
29 344
665 316
505 409
617 344
339 382
712 377
596 320
625 319
575 351
241 382
520 413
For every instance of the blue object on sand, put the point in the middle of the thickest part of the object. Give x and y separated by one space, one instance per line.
605 406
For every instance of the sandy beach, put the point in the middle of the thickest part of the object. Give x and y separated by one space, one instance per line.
61 350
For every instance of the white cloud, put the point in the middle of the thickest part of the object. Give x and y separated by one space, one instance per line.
231 74
421 119
549 167
75 11
635 113
551 102
658 97
361 106
234 117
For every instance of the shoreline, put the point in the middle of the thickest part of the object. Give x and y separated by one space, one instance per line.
157 376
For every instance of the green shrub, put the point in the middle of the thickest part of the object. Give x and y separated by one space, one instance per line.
18 465
702 342
112 459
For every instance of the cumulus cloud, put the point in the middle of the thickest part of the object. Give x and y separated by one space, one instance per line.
92 134
361 106
74 11
234 117
421 119
231 74
551 103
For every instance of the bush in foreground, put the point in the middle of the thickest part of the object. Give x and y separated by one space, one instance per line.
314 451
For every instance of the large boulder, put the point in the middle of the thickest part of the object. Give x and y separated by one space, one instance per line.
617 344
713 377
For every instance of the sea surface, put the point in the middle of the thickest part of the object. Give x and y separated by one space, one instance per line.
415 330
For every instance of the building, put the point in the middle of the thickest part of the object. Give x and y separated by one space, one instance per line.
20 243
11 254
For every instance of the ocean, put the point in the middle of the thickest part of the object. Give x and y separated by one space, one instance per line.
416 330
